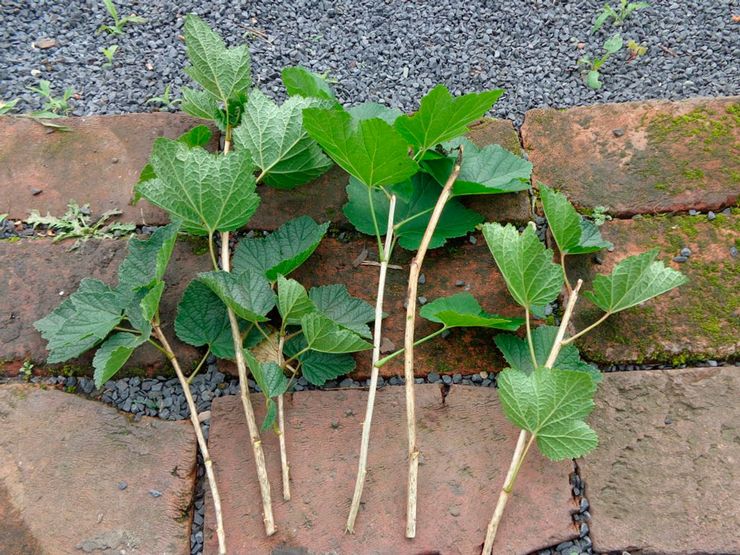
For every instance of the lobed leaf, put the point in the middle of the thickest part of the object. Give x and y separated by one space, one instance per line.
463 310
202 319
113 354
293 301
299 81
199 104
147 259
248 293
335 302
326 336
572 233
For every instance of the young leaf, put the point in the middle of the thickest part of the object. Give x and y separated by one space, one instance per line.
572 233
271 380
592 80
600 20
207 192
325 336
613 44
531 276
371 110
147 259
488 170
202 319
463 310
335 302
551 405
282 251
370 150
85 318
248 293
299 81
318 367
293 301
415 201
113 354
633 281
442 117
223 72
516 352
274 136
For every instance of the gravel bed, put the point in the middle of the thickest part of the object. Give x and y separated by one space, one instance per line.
389 51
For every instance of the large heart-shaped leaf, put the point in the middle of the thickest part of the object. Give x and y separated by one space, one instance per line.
335 302
326 336
248 294
463 310
113 354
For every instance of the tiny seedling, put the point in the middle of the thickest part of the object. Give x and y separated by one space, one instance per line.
635 49
547 391
600 215
617 16
53 106
109 52
77 223
6 107
164 100
591 67
118 22
26 370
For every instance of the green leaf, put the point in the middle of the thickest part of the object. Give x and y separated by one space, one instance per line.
293 301
335 302
282 251
463 310
199 104
248 293
516 352
268 375
147 259
613 44
599 23
207 192
270 415
531 276
202 319
592 80
223 72
442 117
572 233
326 336
280 147
488 170
551 405
84 319
633 281
113 354
370 150
415 201
372 110
299 81
316 367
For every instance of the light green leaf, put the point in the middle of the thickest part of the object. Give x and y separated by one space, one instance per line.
223 72
279 146
572 233
592 80
551 405
599 22
633 281
613 44
488 170
318 368
516 352
370 150
199 104
202 319
531 276
463 310
299 81
207 192
335 302
442 117
282 251
293 301
113 354
415 201
84 319
371 110
325 336
248 293
147 259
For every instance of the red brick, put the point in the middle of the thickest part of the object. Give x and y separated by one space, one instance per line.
460 474
62 459
98 162
671 156
697 321
665 477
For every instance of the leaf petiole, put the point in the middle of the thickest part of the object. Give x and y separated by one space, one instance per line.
200 365
400 224
529 337
586 329
159 347
383 361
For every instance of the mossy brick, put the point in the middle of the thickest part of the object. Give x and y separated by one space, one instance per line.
97 162
697 321
639 157
36 275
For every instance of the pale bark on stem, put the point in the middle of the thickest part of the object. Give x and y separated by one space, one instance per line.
241 365
202 445
523 444
408 344
285 467
378 327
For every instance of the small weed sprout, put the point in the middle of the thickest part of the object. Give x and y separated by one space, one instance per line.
635 49
600 215
26 370
618 16
118 22
53 106
7 106
164 100
591 67
109 52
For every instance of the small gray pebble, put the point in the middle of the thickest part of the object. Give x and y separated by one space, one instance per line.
733 251
711 215
618 132
155 493
459 283
122 485
693 212
422 279
680 259
433 377
686 252
447 379
422 300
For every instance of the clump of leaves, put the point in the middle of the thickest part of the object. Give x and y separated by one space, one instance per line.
635 49
617 16
26 370
118 22
547 390
7 106
109 52
591 66
165 100
53 106
78 223
600 215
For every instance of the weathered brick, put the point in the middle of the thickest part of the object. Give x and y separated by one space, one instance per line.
639 157
665 477
63 463
459 479
697 321
98 162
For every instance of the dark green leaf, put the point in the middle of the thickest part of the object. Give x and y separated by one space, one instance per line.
463 310
299 81
325 336
147 259
572 233
318 368
248 293
335 302
293 301
202 319
113 354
